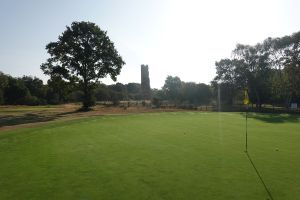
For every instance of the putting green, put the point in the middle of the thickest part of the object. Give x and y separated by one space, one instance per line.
183 155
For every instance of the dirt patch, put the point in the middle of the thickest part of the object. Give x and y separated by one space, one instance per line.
15 117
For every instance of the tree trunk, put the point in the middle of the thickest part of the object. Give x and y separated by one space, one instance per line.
88 100
85 97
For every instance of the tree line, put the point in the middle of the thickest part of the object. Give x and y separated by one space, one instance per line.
182 94
269 70
29 90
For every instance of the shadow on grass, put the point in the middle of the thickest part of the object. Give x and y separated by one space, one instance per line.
259 176
11 120
274 118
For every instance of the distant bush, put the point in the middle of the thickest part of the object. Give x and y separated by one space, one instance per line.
31 100
156 102
75 96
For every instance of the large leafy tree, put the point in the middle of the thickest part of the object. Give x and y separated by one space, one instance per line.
58 90
270 70
231 77
172 88
83 54
35 87
257 70
16 92
290 58
194 93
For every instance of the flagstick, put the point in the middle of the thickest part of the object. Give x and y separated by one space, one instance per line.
247 129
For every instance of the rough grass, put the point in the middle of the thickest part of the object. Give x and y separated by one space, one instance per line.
184 155
20 109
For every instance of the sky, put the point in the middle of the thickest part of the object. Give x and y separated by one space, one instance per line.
173 37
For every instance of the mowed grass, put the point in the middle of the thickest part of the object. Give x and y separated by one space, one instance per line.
182 155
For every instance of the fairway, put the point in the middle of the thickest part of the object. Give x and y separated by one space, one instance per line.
175 155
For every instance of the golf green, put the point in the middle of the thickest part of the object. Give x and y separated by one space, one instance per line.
179 155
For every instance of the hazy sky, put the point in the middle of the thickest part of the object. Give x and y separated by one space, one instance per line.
174 37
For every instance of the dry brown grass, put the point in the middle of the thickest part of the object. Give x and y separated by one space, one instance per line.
13 117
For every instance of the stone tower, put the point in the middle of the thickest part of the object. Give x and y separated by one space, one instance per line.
145 82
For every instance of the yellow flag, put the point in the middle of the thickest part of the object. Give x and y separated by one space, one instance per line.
246 99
